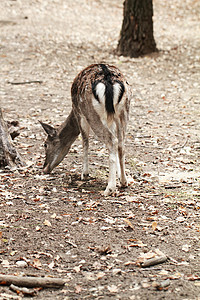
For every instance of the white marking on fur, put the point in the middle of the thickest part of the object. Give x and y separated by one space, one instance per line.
100 91
100 105
116 93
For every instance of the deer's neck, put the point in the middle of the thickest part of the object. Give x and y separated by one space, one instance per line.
69 130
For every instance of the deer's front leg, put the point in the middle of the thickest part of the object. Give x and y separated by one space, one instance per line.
85 139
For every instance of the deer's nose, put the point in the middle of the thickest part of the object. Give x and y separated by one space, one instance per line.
46 169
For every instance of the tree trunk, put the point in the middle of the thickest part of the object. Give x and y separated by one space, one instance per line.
8 154
136 37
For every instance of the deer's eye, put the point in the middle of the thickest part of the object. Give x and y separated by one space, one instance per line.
45 145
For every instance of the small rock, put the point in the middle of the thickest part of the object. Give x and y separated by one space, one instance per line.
21 263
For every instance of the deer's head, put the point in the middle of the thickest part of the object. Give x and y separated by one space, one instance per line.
54 153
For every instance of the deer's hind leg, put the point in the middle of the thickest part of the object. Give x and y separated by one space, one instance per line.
85 130
112 148
121 154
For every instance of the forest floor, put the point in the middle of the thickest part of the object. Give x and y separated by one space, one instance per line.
56 225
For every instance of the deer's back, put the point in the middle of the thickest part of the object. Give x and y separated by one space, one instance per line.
101 87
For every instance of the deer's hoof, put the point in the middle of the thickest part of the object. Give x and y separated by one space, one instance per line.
124 183
84 176
109 191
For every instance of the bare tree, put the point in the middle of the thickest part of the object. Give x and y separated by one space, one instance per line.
136 37
8 154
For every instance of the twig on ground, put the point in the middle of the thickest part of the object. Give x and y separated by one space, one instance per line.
72 244
25 82
154 261
23 290
182 146
31 281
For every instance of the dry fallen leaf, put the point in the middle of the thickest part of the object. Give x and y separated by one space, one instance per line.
78 289
116 271
103 250
113 289
137 243
192 277
128 263
180 219
97 265
154 225
163 272
129 223
100 275
145 285
37 263
5 263
90 276
53 216
51 265
47 223
186 247
110 220
176 275
77 268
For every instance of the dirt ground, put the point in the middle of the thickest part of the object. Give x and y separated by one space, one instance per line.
58 226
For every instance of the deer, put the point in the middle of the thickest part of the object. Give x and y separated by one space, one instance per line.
100 101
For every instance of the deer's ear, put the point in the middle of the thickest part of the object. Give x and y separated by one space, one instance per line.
49 130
